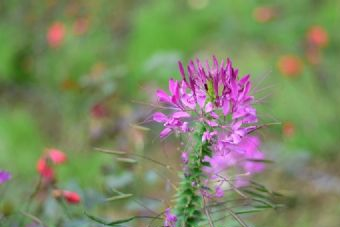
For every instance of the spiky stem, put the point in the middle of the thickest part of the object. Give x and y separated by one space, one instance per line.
189 202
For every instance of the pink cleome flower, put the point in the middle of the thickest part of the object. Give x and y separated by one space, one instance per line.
214 95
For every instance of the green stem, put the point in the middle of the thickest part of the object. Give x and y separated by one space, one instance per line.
189 202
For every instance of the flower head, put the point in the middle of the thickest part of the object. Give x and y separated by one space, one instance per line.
212 94
4 176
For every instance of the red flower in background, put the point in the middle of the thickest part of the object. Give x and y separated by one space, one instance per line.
55 34
290 65
317 36
99 111
45 163
56 156
45 170
71 197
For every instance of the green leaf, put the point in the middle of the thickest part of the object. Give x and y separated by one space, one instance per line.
118 197
255 194
248 211
260 160
107 151
127 160
109 223
139 127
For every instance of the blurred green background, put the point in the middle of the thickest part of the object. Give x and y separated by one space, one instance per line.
75 75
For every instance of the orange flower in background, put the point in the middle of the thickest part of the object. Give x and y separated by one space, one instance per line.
264 14
317 36
288 129
290 65
55 34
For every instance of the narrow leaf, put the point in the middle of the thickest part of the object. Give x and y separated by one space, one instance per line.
139 127
128 160
261 160
107 151
248 211
109 223
124 196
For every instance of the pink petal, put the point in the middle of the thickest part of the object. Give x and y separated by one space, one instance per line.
181 70
173 87
226 107
208 107
244 79
214 115
185 127
159 117
180 114
211 123
205 136
165 132
163 96
219 193
236 125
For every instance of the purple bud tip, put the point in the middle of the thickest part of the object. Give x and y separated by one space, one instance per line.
4 176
